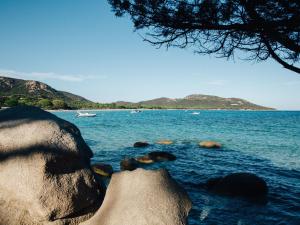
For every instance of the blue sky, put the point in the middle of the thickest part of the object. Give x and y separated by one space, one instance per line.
81 47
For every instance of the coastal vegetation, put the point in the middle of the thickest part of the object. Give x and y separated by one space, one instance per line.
15 92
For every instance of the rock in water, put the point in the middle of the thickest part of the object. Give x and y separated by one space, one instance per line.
156 156
45 170
145 159
239 184
128 164
165 142
102 169
209 144
143 197
140 144
162 156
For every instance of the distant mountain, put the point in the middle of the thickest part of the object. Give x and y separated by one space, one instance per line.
29 92
36 89
197 101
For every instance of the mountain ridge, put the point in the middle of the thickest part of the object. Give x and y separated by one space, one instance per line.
14 86
31 92
200 101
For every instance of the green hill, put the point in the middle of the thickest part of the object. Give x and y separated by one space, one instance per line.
197 101
29 88
29 92
17 91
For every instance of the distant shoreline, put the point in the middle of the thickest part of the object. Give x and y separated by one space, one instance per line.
143 109
74 110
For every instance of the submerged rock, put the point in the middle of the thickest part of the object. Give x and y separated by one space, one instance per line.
145 159
45 170
102 169
165 142
140 144
161 156
128 164
209 144
156 156
239 184
143 197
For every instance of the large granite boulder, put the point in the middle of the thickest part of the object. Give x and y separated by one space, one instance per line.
45 173
142 197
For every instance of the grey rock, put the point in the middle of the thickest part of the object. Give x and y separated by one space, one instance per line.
45 173
142 197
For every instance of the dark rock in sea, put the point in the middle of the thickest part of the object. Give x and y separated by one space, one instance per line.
239 184
165 142
209 144
102 169
128 164
156 156
140 144
161 156
143 197
45 170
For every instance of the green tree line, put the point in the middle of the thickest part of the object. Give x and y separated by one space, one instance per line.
45 103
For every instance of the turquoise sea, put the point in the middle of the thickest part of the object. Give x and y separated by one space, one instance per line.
266 143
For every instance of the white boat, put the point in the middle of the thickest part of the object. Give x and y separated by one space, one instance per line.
85 114
195 113
136 111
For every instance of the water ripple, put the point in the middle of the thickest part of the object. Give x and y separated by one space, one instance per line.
264 143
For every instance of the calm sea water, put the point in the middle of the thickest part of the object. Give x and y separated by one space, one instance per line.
264 143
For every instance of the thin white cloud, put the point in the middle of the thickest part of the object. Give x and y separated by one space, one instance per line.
49 75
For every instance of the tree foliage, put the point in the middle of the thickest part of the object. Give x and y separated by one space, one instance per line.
26 101
262 28
11 102
45 103
59 104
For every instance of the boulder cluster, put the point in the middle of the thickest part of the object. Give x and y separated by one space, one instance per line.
46 178
241 184
106 170
151 157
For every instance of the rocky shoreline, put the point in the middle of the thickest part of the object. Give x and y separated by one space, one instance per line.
47 178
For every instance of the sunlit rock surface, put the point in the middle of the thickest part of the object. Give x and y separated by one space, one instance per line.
142 197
